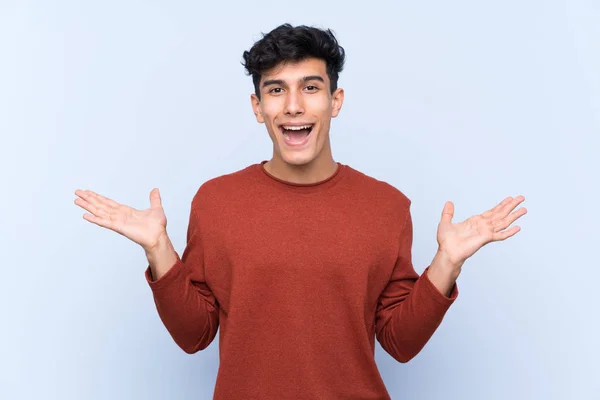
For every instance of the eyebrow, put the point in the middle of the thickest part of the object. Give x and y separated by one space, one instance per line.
301 80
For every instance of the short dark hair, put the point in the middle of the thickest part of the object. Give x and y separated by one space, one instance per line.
287 43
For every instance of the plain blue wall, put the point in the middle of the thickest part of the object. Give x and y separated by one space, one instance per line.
466 101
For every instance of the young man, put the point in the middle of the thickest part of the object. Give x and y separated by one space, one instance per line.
301 261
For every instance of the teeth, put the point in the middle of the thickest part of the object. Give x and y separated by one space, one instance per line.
297 128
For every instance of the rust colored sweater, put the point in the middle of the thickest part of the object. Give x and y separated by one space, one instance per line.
301 279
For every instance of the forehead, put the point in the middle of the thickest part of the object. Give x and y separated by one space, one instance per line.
292 71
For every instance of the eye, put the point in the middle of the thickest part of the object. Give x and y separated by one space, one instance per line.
275 90
312 88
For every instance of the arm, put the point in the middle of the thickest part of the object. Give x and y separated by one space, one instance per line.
411 307
185 303
443 273
161 257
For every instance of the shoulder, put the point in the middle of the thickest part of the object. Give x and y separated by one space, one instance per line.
222 187
379 191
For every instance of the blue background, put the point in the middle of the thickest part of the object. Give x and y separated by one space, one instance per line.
466 101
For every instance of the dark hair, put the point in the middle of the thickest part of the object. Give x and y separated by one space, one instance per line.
287 43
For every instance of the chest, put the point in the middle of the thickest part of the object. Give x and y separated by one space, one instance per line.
299 246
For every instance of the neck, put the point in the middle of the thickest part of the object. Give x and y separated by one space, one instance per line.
315 171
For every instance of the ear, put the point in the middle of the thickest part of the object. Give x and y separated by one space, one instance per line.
256 108
337 99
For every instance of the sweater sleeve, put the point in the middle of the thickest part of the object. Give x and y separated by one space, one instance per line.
185 303
410 308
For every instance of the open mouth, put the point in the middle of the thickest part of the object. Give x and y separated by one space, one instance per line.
295 135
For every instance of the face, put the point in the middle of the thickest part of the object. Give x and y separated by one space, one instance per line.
296 106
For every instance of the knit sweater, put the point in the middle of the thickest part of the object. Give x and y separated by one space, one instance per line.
301 279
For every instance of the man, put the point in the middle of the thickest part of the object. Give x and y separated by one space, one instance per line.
301 261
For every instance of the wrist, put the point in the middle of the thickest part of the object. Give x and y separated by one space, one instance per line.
443 273
161 256
444 264
158 245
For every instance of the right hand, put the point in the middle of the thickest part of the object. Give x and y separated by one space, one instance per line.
144 227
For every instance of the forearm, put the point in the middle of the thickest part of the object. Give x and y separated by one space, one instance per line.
188 310
443 273
415 320
418 316
161 257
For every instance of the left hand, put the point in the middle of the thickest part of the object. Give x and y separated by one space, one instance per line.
459 241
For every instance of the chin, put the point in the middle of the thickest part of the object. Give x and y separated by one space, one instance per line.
298 159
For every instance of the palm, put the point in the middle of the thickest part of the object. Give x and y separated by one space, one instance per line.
461 240
144 227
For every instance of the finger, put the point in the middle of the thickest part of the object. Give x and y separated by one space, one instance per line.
99 212
504 211
448 212
499 236
507 221
155 200
89 197
105 200
497 207
104 223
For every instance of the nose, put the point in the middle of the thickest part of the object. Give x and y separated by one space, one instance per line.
294 104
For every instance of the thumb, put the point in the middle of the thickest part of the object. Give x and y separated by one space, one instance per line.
155 200
448 212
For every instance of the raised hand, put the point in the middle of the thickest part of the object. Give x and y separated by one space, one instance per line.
459 241
144 227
